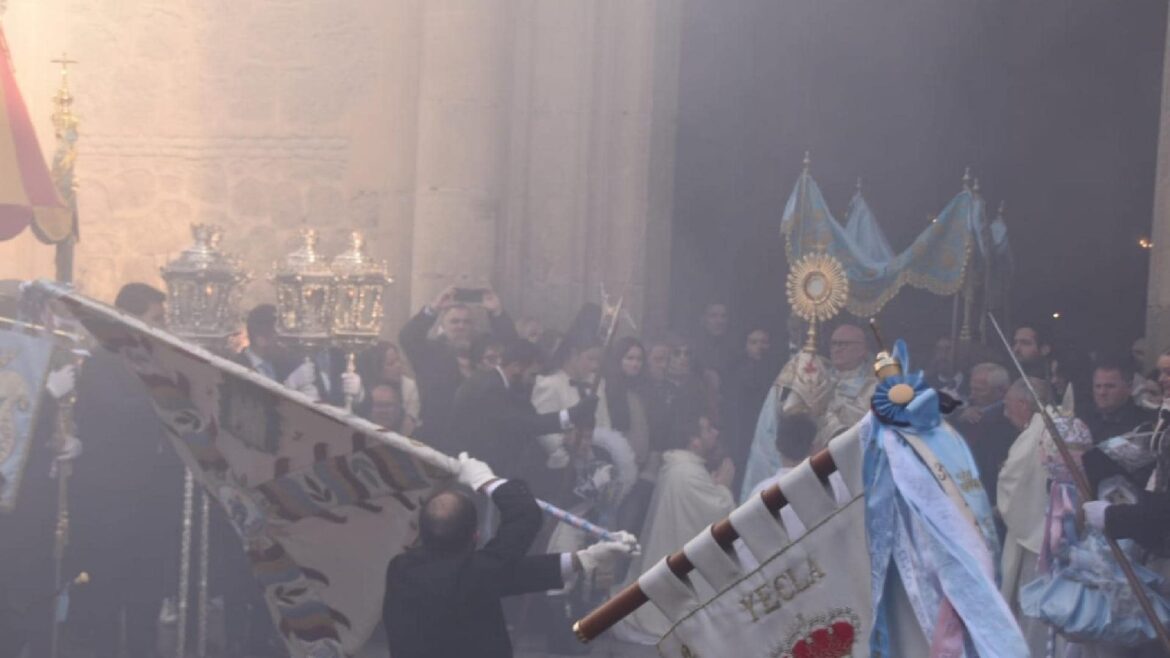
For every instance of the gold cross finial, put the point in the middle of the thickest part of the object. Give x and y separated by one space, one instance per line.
63 60
63 118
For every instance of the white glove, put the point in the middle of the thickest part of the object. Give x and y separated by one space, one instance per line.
628 539
71 449
601 553
351 385
61 381
473 472
1095 513
304 379
602 477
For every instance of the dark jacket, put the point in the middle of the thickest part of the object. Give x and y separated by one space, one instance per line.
1148 521
436 370
127 485
499 425
448 605
1125 419
990 439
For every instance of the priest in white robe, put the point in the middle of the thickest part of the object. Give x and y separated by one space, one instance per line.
686 499
1022 498
853 386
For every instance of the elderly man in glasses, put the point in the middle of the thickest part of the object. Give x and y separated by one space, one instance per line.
852 373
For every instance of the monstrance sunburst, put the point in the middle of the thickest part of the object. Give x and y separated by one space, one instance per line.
817 290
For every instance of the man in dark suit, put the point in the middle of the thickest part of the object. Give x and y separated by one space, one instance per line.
436 361
493 416
323 377
127 497
1114 412
247 622
443 596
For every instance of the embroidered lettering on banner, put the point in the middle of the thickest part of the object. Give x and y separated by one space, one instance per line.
784 587
968 481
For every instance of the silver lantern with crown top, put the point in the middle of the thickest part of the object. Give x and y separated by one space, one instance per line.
305 286
358 299
203 295
203 289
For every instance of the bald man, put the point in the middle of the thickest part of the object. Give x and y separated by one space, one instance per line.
443 595
855 382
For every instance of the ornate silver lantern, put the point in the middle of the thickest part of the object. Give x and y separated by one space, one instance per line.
357 302
203 289
203 294
304 294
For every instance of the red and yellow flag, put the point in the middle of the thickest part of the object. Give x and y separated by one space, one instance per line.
26 188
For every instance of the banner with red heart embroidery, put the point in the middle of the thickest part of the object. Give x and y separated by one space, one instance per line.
809 596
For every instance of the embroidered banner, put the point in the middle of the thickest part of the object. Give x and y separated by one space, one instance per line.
810 594
24 363
937 260
321 499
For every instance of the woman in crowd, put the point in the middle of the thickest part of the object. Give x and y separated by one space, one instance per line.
387 409
383 363
749 379
623 409
690 392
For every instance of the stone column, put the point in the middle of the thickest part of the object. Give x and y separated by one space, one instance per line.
592 152
1158 293
461 166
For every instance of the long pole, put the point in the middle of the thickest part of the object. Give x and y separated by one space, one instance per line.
65 430
184 566
61 540
1082 483
204 562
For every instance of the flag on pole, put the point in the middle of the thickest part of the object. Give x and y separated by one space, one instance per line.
27 191
321 499
24 364
810 593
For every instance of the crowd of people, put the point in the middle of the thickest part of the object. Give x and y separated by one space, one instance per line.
655 436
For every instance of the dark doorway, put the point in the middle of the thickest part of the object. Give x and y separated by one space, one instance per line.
1053 104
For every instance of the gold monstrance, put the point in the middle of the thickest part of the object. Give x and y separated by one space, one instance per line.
817 290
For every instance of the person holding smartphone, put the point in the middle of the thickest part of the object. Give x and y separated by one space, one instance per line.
435 360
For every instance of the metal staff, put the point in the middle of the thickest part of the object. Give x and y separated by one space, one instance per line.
184 565
61 535
1086 492
204 563
575 521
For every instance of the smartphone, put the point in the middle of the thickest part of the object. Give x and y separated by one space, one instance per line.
470 295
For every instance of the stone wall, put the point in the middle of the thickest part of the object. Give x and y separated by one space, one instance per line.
519 143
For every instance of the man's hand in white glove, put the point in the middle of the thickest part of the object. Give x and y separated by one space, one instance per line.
70 449
603 553
351 385
1095 513
61 381
304 379
628 539
602 477
473 472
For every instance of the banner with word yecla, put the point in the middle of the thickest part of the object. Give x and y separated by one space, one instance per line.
321 499
810 593
24 364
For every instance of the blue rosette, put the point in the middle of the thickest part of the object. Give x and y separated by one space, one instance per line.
904 399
